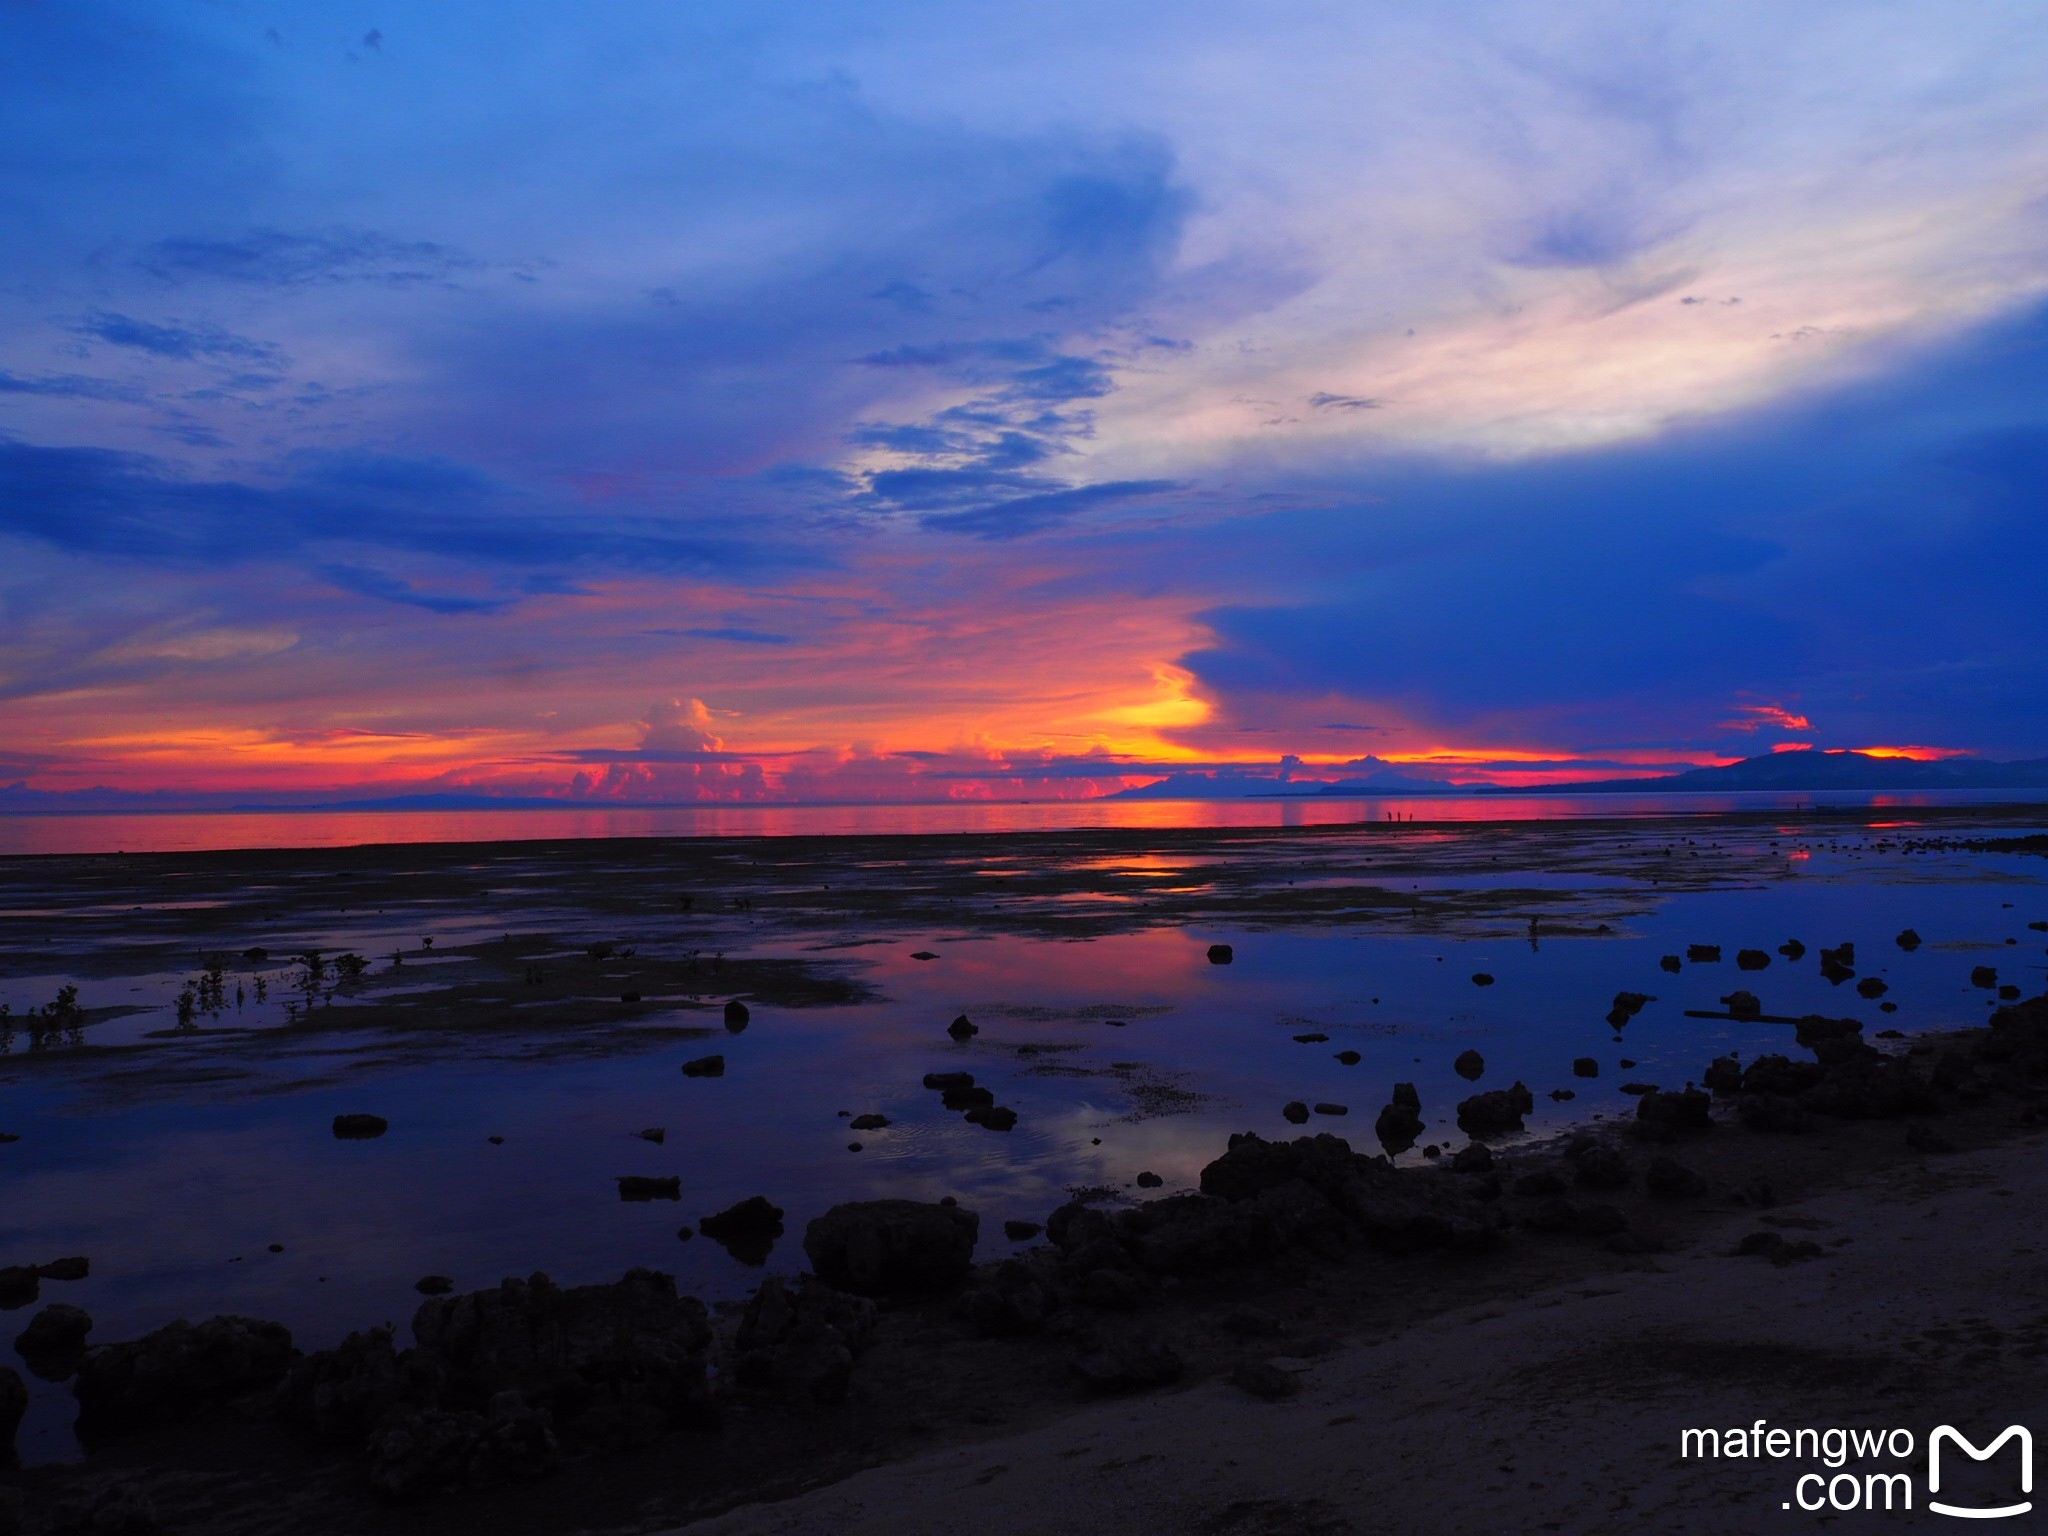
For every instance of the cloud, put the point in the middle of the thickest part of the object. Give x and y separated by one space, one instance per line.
278 258
174 341
735 635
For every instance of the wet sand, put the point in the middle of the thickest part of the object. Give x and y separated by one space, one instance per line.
796 927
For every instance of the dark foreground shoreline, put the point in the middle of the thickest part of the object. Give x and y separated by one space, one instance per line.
523 1414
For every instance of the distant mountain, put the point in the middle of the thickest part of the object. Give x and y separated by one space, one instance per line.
1223 784
1803 772
1372 786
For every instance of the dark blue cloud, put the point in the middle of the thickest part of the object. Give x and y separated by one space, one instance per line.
175 341
285 259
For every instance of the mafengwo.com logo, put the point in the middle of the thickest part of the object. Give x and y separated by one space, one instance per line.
1883 1469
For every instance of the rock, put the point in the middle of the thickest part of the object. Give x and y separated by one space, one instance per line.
1500 1110
74 1268
1638 1089
53 1343
1744 1005
654 1133
1150 1181
1626 1006
1669 1179
1470 1065
1703 954
1395 1210
1585 1066
747 1230
1405 1093
1541 1185
1601 1167
20 1284
992 1117
890 1247
1398 1128
608 1366
180 1369
2009 993
705 1066
962 1028
1688 1110
736 1016
1671 963
946 1082
922 954
1838 964
629 997
1481 979
1333 1109
1473 1157
433 1285
802 1342
1264 1380
13 1406
1776 1074
868 1123
359 1127
416 1452
1021 1231
1908 940
1562 1095
960 1100
1249 1322
1871 987
1752 959
1349 1058
1792 949
634 1186
1016 1297
1757 1191
1294 1111
1128 1362
1599 1221
1922 1137
1221 954
1313 1037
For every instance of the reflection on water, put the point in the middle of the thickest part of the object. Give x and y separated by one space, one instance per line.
176 1165
176 832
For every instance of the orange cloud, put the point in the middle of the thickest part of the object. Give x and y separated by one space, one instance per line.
1757 717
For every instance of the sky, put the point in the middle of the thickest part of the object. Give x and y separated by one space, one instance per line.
919 401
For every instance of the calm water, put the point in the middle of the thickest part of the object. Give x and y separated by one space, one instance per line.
178 832
176 1163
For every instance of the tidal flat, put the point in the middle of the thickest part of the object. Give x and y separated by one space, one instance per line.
517 1018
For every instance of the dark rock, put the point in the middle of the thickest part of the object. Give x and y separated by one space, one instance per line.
1637 1090
945 1081
1497 1111
13 1405
340 1393
433 1285
1470 1065
1585 1066
1626 1006
1757 1191
1562 1095
166 1376
53 1343
1872 987
74 1268
1404 1093
1922 1137
1391 1209
1703 954
2009 993
1295 1111
1127 1362
736 1016
1016 1297
1221 954
1349 1058
992 1117
1432 1151
1780 1075
1398 1128
1313 1037
1838 964
1908 940
1150 1181
1599 1221
635 1186
1671 963
747 1230
1021 1231
1687 1110
962 1028
1264 1380
1541 1185
1473 1157
1333 1109
629 997
1249 1322
1601 1168
1792 949
1669 1179
360 1127
1481 979
416 1452
868 1123
802 1341
705 1066
886 1247
1772 1112
1752 959
960 1100
20 1284
1776 1247
654 1133
1744 1005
